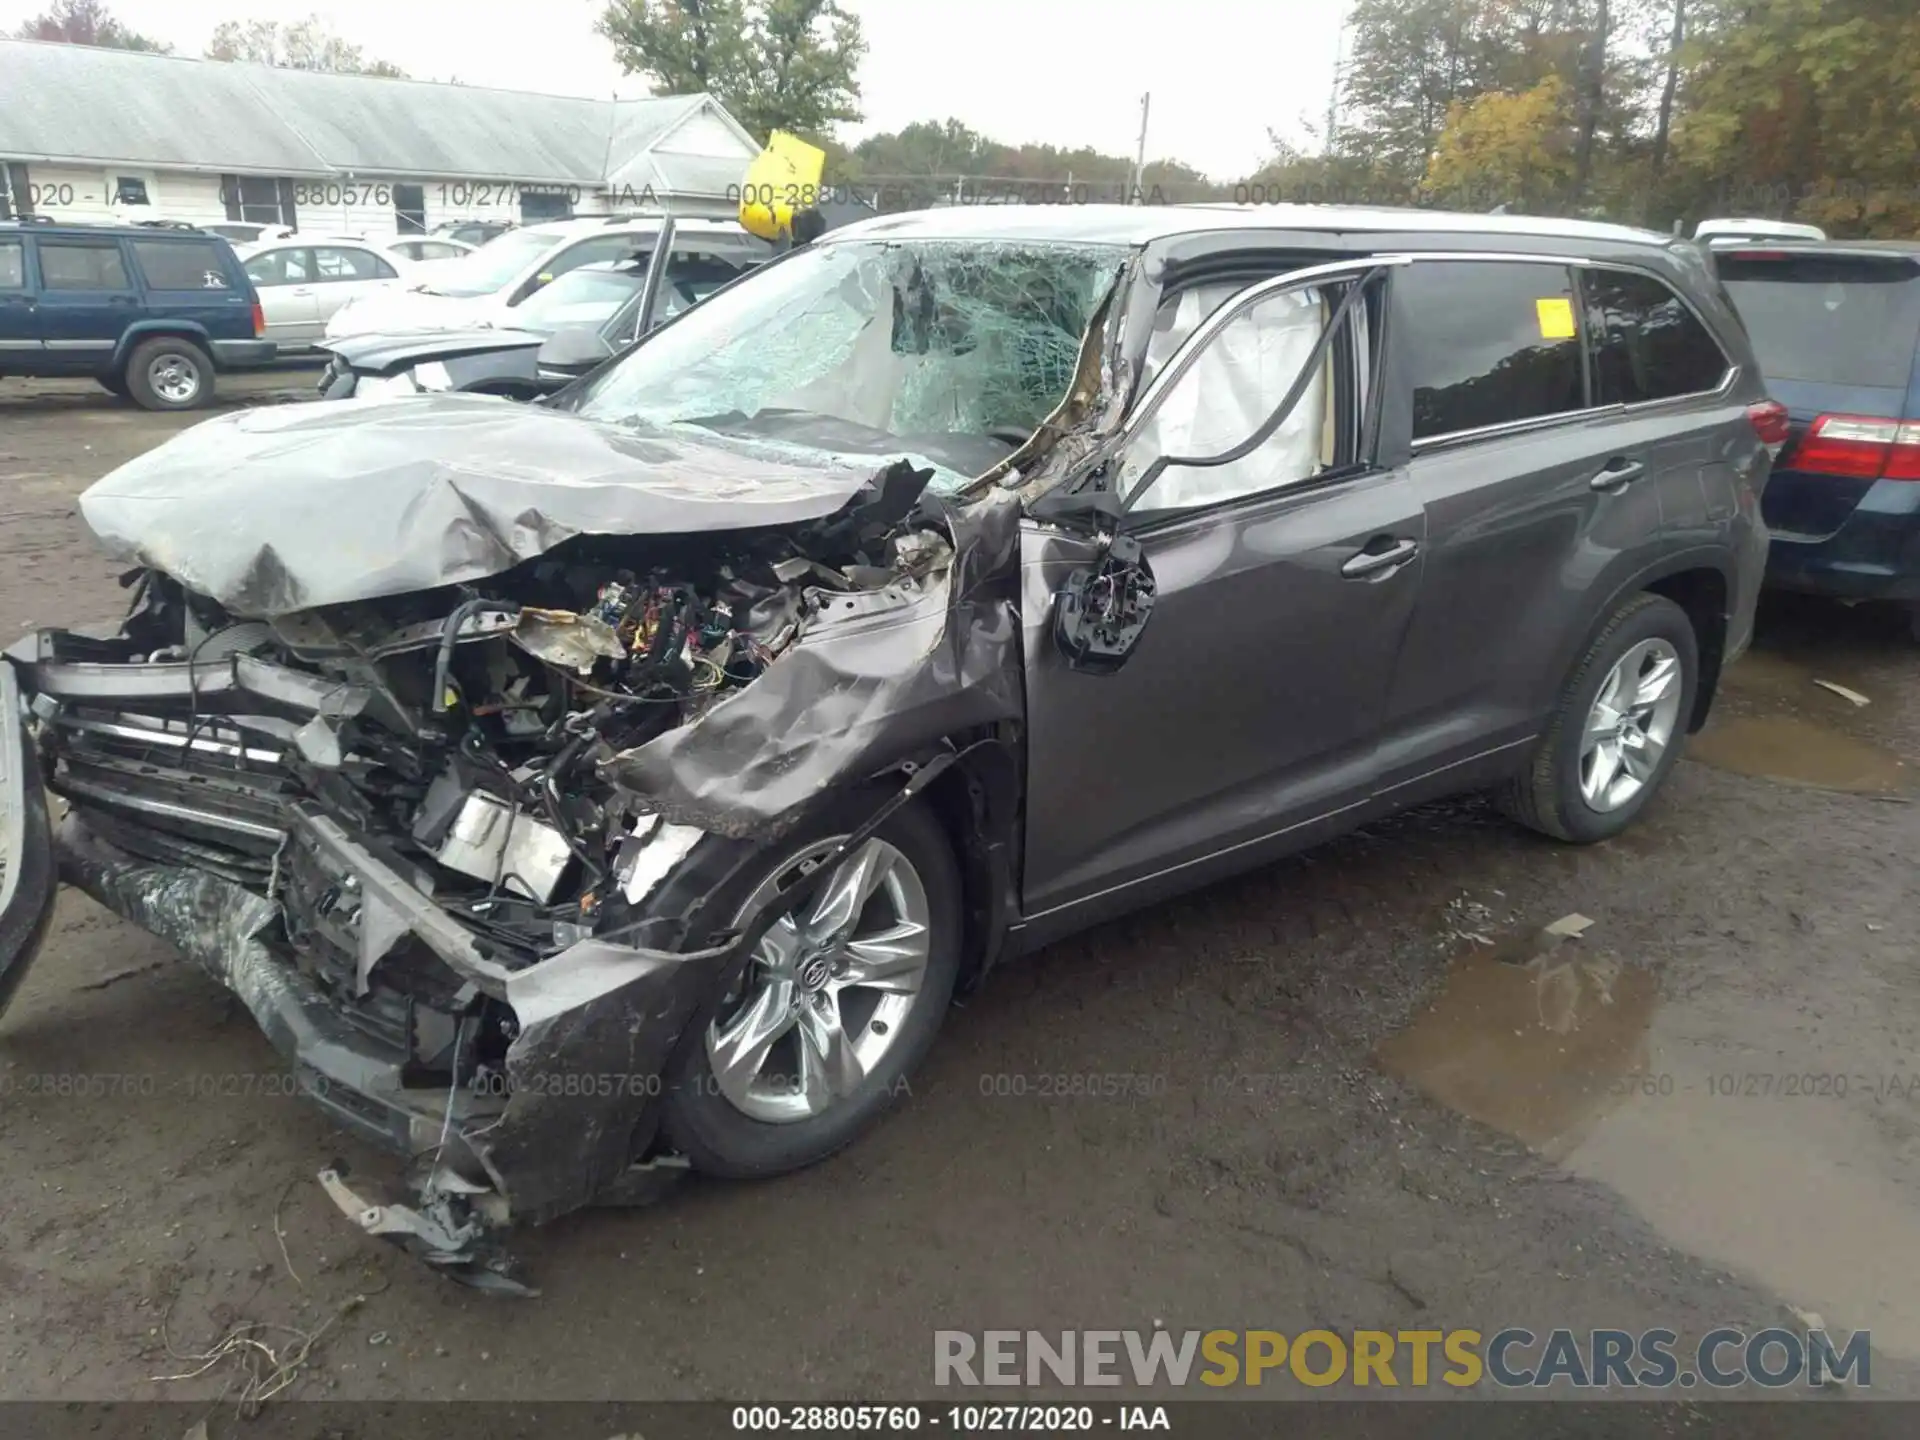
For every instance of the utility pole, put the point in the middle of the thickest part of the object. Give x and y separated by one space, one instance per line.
1140 153
1333 92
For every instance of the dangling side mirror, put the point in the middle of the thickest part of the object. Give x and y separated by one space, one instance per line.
572 351
1099 614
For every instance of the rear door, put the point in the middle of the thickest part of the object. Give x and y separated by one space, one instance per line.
1572 425
188 279
1836 334
1503 464
343 273
19 328
283 277
87 300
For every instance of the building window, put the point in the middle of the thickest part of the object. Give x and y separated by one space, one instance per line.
127 190
538 205
258 199
410 209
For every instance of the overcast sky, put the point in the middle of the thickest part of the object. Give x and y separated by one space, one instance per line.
1065 72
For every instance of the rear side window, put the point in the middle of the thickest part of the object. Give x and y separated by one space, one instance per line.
1488 343
1647 345
181 265
13 265
76 265
281 267
596 250
1840 320
344 264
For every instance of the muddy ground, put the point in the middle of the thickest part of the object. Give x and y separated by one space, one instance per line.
1343 1105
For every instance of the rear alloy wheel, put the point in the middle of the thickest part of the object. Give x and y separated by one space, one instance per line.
839 1001
1630 725
1618 730
169 374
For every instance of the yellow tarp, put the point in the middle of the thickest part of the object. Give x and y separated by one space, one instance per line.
783 178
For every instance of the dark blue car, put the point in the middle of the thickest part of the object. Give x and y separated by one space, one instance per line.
1836 327
150 313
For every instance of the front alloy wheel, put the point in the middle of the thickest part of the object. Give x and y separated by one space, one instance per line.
838 1002
827 989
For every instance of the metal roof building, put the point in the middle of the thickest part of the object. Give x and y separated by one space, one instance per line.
76 122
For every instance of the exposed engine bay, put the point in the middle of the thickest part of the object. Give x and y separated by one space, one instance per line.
467 725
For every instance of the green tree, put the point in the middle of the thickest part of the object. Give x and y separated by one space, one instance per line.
774 64
1501 148
1410 62
307 44
87 22
1808 108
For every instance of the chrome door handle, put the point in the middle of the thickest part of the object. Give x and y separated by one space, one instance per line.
1372 562
1618 475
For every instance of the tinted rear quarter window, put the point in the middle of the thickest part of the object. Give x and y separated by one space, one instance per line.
80 265
1647 345
1840 320
1488 343
181 265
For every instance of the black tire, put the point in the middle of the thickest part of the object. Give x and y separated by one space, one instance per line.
114 384
166 348
23 928
721 1140
1547 796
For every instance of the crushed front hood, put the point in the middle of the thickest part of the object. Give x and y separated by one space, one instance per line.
282 508
397 308
384 351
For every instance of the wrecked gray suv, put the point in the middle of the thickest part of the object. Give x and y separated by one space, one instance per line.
584 791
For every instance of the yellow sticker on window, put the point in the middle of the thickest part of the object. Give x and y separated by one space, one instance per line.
1556 319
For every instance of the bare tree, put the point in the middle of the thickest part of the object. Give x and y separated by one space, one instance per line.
1663 127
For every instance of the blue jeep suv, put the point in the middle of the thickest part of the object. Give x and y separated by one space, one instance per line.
1836 328
150 313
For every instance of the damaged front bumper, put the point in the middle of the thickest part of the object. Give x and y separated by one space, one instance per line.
384 1031
594 1027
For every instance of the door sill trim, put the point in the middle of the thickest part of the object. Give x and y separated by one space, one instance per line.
1189 864
1371 800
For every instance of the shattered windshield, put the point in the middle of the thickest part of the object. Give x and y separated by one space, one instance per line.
955 350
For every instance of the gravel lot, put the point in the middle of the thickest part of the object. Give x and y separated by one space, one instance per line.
1342 1105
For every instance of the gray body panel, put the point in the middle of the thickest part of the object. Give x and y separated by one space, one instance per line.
1252 705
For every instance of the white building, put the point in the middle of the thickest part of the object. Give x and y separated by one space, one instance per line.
95 134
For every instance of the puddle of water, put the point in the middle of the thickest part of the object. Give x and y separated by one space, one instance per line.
1787 748
1533 1038
1573 1054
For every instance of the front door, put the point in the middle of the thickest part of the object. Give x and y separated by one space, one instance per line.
1245 720
344 273
86 303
